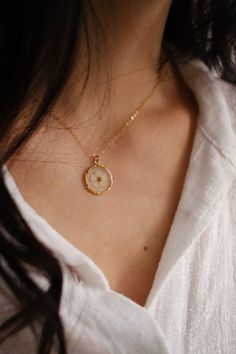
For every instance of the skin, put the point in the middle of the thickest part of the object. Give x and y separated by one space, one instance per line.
125 230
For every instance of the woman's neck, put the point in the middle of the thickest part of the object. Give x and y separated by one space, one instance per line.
132 31
125 38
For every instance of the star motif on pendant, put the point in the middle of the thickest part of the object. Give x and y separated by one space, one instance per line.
98 178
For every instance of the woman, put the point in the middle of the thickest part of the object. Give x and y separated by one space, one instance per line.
118 169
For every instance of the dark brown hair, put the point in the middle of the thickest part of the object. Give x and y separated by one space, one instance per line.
38 43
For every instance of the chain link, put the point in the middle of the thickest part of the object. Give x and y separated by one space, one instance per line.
113 140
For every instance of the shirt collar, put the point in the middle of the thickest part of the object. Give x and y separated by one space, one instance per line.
211 169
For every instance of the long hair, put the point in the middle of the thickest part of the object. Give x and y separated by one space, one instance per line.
39 41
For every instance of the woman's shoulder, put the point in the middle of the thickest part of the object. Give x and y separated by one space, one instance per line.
208 82
216 100
227 90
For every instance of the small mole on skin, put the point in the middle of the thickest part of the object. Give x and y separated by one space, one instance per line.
145 248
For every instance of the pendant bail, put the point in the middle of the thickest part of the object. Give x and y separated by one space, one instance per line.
97 160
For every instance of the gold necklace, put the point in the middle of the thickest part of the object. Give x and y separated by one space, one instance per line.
98 178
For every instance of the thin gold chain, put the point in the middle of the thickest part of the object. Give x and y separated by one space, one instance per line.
115 137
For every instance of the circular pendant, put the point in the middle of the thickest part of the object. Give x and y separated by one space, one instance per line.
98 179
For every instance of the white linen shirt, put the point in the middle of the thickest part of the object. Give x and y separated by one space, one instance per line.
191 307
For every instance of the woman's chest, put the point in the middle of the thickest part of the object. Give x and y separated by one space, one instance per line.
123 231
125 240
124 234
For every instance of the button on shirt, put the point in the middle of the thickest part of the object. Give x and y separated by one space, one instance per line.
191 307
